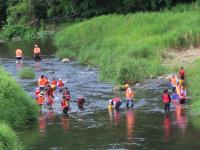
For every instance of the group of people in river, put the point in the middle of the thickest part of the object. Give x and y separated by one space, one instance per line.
46 89
36 54
178 96
45 94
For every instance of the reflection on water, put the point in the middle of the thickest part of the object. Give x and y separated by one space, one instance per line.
19 66
65 123
166 124
42 124
181 120
37 66
130 122
50 118
114 115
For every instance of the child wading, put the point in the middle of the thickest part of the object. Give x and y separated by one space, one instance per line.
166 100
64 105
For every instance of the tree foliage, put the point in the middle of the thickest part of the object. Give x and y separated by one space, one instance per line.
26 11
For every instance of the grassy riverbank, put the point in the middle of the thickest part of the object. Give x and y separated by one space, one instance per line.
8 138
130 47
16 109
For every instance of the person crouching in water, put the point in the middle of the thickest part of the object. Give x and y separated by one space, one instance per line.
60 85
115 103
50 101
182 96
64 105
129 96
166 100
80 102
40 100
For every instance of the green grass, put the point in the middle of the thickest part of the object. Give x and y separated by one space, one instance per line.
16 107
193 77
130 47
26 73
8 138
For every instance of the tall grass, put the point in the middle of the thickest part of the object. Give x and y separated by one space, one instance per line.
16 107
129 47
193 76
8 138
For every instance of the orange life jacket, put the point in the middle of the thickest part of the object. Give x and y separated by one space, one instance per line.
40 100
18 53
42 82
36 50
60 83
46 81
129 93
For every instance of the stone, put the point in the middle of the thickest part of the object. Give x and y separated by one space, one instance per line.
65 60
137 84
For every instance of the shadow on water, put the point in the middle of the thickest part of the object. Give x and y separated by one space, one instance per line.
144 127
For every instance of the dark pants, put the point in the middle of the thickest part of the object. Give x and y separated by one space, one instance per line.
129 101
182 77
65 110
37 57
118 104
167 107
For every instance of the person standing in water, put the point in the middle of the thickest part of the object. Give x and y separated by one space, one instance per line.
129 96
166 100
19 55
36 53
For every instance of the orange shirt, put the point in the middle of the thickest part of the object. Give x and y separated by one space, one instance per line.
129 93
18 53
36 50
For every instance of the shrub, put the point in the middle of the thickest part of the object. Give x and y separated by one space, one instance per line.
16 107
26 73
8 138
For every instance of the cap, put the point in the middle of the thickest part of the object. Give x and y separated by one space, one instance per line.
126 85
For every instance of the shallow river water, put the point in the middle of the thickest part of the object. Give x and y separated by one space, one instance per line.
145 127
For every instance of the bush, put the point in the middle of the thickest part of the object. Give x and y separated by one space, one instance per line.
16 108
26 73
8 139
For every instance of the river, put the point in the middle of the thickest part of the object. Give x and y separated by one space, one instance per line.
145 127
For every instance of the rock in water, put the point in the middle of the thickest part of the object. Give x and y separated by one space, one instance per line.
137 84
65 60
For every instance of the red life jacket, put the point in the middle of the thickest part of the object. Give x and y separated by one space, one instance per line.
117 99
54 82
182 72
166 98
64 104
50 100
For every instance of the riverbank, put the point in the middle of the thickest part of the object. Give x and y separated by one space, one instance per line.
17 109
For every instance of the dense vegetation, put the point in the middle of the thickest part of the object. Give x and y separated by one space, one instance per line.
8 139
24 18
16 107
130 47
16 110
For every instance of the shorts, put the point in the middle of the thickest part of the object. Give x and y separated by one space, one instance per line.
182 101
19 58
182 77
